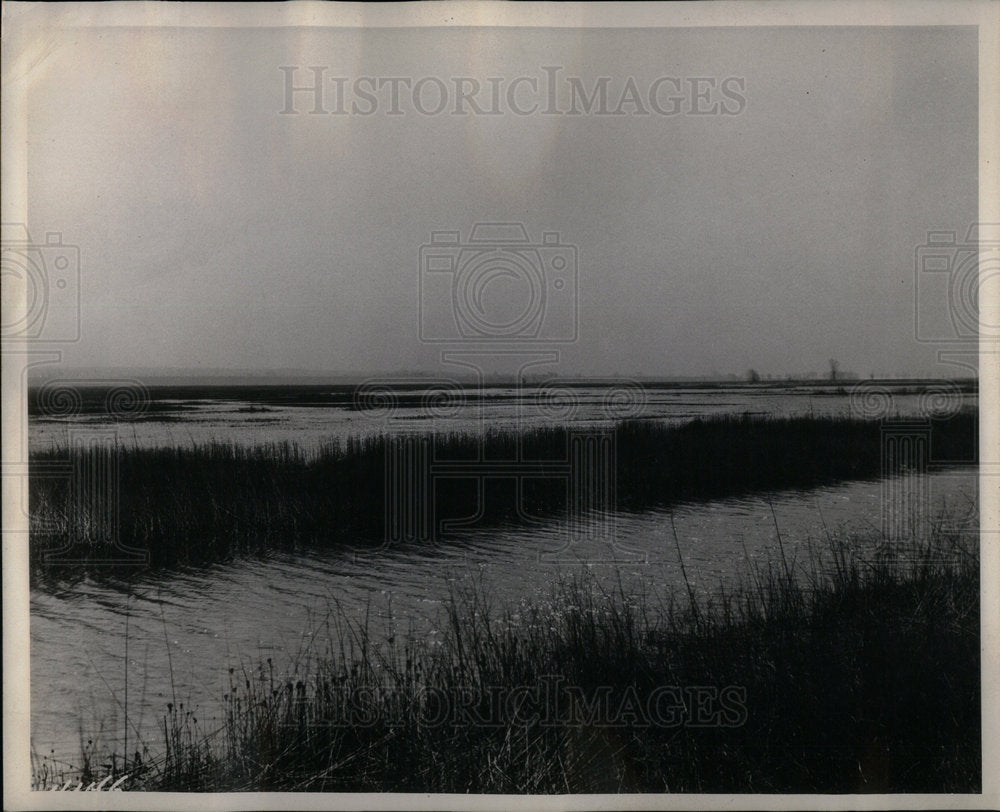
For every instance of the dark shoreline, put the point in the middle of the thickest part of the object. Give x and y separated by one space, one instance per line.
127 398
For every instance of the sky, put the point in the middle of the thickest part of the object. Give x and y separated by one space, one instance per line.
769 223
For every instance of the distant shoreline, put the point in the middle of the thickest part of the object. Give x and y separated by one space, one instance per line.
237 378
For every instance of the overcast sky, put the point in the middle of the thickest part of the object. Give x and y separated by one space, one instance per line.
776 233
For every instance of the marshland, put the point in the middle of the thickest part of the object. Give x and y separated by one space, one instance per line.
771 565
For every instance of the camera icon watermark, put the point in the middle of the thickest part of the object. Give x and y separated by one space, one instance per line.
957 286
498 286
41 282
530 451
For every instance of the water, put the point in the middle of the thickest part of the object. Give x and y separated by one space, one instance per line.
241 614
184 630
199 420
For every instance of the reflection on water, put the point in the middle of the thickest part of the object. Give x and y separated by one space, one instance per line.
185 629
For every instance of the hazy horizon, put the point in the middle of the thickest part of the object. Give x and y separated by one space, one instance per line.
155 375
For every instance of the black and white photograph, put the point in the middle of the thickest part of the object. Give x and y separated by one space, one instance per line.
487 405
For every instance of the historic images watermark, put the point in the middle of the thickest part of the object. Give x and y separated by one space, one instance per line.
548 703
317 90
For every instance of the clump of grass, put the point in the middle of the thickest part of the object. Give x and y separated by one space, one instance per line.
93 773
860 674
209 503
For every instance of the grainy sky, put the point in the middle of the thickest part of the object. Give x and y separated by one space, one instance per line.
775 234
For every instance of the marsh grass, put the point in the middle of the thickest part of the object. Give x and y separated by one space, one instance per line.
97 770
208 503
858 673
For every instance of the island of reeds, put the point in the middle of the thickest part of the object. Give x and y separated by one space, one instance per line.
202 504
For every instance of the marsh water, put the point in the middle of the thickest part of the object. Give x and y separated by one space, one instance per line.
310 416
106 650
